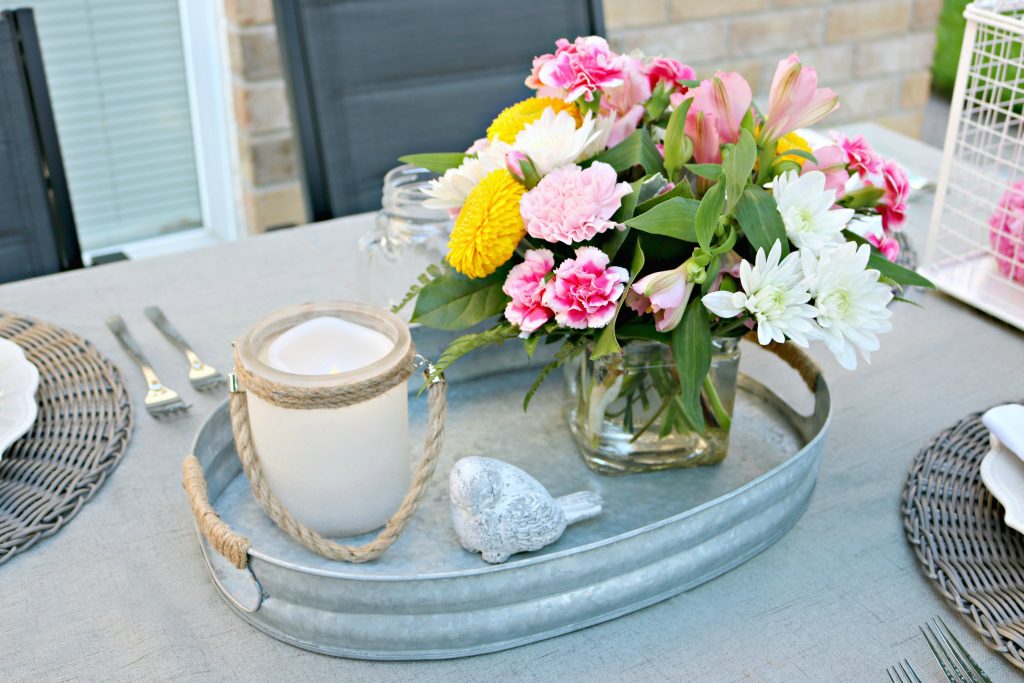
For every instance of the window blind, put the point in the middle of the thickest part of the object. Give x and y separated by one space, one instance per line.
116 74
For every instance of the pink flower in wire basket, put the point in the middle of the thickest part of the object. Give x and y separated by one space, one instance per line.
1007 232
585 291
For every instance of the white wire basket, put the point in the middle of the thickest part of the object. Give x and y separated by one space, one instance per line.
976 242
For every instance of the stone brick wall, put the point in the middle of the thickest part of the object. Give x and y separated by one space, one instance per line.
875 53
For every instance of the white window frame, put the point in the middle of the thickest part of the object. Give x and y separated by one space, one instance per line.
207 71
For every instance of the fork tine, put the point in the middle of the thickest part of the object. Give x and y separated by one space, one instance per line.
971 663
892 678
959 665
940 656
912 672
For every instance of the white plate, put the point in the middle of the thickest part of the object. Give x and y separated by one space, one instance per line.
19 380
1002 472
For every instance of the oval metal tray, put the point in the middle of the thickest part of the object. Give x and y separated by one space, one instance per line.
426 598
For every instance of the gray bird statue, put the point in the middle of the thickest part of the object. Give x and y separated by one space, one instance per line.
499 510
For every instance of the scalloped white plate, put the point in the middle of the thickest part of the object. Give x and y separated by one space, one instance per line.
1002 472
19 380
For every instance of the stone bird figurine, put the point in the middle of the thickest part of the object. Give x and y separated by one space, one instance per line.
499 510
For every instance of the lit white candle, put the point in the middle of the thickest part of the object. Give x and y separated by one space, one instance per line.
341 471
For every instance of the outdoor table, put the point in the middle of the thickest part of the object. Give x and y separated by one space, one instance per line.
123 592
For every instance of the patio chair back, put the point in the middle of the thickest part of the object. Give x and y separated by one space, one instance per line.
37 226
371 80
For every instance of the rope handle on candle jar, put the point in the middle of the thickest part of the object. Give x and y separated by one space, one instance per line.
234 547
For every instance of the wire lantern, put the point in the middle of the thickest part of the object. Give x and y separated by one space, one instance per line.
976 242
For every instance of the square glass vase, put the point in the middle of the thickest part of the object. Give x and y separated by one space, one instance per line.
625 409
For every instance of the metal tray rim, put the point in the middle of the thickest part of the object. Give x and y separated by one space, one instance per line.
821 394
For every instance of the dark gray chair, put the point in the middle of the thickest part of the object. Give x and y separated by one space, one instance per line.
371 80
37 225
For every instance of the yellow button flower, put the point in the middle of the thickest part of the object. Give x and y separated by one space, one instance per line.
792 141
513 119
489 226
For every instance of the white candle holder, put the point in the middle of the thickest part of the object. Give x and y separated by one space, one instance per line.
333 453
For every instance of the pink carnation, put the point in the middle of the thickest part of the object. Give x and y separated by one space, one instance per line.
1007 232
580 67
571 204
893 206
671 71
526 285
861 158
585 291
831 162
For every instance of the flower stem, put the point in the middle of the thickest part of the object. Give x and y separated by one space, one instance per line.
721 415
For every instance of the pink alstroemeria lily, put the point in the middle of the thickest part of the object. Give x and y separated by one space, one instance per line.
665 294
795 100
714 118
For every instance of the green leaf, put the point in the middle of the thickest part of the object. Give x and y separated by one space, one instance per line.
682 189
438 162
456 302
563 355
803 154
673 218
530 344
650 187
674 137
607 343
636 150
888 269
470 342
759 218
709 171
862 198
691 349
658 103
736 167
629 202
433 271
706 220
897 273
644 330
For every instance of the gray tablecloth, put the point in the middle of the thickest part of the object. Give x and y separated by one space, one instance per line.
122 592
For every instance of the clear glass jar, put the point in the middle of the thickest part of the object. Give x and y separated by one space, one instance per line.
623 412
407 238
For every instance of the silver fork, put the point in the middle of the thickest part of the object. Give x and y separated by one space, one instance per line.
956 662
903 672
200 375
160 399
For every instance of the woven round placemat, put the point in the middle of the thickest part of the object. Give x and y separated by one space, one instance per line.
956 529
84 422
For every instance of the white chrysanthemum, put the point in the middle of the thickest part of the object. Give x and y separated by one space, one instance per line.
599 143
806 207
553 140
849 300
450 190
773 293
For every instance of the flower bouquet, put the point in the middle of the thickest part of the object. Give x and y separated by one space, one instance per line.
644 221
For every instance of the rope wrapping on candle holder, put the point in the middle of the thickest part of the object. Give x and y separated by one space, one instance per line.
235 547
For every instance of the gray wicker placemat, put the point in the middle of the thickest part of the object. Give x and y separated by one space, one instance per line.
84 422
956 529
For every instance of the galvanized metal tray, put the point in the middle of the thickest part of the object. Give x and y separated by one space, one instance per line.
426 598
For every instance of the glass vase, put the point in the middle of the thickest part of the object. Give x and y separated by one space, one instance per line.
626 415
407 238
